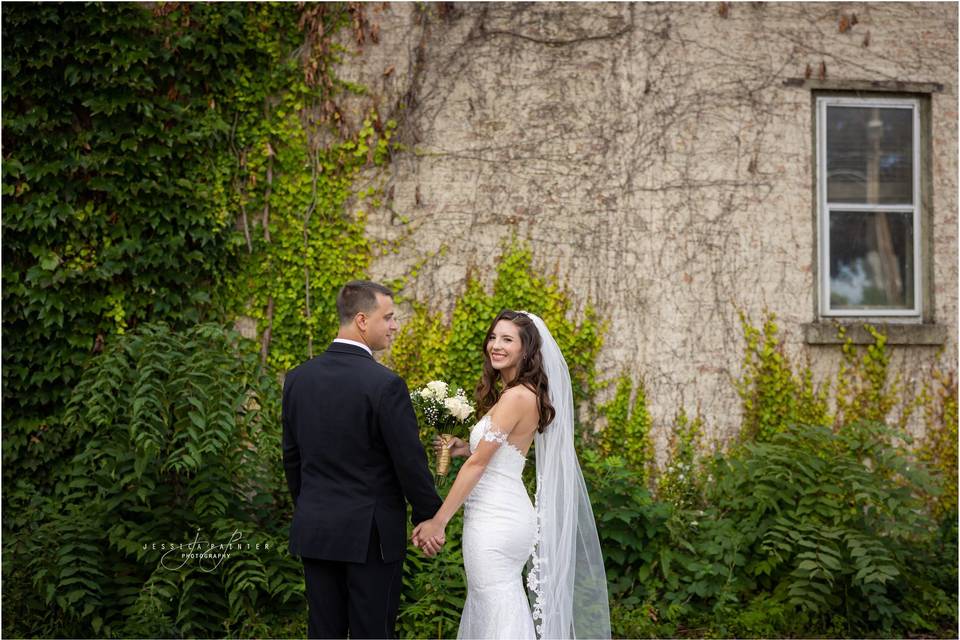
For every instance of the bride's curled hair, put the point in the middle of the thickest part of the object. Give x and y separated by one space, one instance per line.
530 371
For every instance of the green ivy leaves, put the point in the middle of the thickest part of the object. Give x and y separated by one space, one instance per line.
427 347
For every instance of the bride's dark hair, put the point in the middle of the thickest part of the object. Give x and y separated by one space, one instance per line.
530 371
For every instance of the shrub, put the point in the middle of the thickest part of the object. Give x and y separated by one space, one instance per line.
180 442
808 531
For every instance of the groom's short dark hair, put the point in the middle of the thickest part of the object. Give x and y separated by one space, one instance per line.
357 296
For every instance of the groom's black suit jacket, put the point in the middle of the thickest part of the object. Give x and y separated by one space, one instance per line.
352 453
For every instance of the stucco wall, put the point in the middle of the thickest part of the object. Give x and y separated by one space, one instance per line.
653 154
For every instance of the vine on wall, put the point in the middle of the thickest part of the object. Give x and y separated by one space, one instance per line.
125 168
114 194
627 432
428 347
298 160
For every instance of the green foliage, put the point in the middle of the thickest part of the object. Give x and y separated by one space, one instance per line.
633 534
798 535
427 348
939 448
135 137
434 589
289 280
680 482
113 191
864 391
827 523
179 441
773 396
420 350
798 530
117 182
297 163
627 432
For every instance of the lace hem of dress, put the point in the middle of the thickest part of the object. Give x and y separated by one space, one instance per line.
533 575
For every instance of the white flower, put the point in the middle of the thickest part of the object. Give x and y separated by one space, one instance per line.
458 407
436 390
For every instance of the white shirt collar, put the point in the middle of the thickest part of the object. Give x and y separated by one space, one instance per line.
354 343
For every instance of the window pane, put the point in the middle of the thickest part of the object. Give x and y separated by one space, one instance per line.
871 260
869 155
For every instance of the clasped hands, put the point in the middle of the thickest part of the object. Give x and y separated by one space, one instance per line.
429 536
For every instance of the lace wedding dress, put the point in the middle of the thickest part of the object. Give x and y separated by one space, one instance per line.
499 533
502 530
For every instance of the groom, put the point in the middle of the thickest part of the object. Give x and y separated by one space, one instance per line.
352 454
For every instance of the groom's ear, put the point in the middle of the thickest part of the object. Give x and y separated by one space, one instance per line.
360 320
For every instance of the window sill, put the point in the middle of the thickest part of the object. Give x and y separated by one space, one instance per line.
897 333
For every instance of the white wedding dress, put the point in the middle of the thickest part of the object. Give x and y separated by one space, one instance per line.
499 532
558 534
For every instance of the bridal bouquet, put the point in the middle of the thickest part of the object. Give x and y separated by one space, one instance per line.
438 409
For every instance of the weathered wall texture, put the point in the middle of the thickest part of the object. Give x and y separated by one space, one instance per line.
651 152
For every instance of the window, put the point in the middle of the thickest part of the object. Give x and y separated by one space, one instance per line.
868 194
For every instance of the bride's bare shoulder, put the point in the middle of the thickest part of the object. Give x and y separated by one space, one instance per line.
519 397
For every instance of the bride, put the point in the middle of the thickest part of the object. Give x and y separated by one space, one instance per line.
502 529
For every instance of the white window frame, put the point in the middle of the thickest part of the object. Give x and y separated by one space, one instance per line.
824 208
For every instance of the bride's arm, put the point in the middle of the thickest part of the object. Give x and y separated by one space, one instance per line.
507 415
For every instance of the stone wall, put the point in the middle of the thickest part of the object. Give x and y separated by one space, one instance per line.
656 155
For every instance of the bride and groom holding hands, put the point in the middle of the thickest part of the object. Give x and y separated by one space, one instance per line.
353 459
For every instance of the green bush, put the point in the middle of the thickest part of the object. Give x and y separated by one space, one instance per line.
813 532
434 589
633 537
179 439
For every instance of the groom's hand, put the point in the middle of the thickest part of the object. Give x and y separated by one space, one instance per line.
429 536
430 548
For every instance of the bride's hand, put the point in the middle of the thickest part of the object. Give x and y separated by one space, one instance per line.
429 536
458 448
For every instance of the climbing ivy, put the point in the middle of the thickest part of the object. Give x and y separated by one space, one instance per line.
135 137
939 446
114 190
864 390
298 161
773 395
627 432
428 347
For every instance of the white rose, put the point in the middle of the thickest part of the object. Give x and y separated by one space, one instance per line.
437 389
458 407
452 405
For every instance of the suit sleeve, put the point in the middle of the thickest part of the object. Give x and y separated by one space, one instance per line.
398 425
291 449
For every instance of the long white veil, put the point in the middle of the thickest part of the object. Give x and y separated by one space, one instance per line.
567 580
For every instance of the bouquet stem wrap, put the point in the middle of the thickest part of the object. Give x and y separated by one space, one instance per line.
443 459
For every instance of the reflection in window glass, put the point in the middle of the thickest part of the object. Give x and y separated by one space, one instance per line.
871 260
869 155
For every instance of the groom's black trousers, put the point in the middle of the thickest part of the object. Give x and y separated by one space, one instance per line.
362 597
